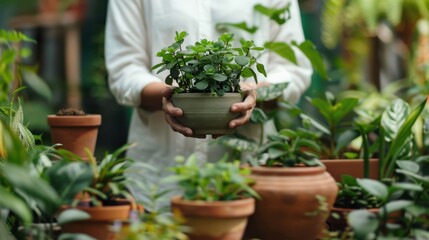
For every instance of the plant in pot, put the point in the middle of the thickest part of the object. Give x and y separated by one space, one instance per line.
333 118
106 199
395 142
217 198
297 192
207 77
404 212
75 130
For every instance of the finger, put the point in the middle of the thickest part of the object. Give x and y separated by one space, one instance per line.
243 119
177 127
170 109
248 104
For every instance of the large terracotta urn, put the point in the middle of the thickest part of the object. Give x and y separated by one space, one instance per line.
295 202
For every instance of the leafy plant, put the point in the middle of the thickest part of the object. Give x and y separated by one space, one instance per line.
220 181
209 66
404 212
289 148
337 132
352 195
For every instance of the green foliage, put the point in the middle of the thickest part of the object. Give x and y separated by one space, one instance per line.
109 177
279 15
404 213
289 148
220 181
352 195
337 132
208 66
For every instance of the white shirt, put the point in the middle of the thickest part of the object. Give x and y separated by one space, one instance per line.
137 29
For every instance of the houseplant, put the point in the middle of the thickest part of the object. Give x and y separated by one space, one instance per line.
106 199
216 200
75 130
297 193
207 76
394 143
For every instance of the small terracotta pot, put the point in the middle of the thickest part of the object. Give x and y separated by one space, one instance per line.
288 208
75 133
353 167
219 220
102 219
206 114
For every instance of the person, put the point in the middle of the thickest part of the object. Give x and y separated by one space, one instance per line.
137 29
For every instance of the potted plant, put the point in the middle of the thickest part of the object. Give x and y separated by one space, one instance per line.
217 198
394 142
107 198
296 191
207 75
75 130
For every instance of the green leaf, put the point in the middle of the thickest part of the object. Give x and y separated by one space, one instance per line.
258 116
72 215
393 118
282 49
314 56
408 186
75 236
219 77
363 223
241 25
15 204
279 15
394 206
242 60
260 67
236 143
408 165
202 85
375 188
270 92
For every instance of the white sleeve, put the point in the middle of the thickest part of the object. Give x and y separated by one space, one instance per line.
281 70
127 56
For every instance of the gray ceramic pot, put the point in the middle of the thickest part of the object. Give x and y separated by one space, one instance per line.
206 114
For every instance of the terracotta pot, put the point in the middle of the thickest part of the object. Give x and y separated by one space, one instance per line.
219 220
206 114
353 167
102 218
288 201
75 133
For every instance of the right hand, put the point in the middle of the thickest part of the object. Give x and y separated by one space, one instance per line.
172 112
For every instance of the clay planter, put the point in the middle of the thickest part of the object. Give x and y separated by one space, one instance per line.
75 133
206 114
102 219
218 220
288 197
353 167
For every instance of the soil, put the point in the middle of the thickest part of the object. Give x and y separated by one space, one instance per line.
70 112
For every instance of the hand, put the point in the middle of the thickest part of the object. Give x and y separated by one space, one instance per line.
246 107
172 112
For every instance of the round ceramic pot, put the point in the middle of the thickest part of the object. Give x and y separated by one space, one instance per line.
75 133
206 114
218 220
290 206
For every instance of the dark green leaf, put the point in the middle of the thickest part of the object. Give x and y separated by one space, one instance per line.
15 204
202 85
314 56
242 60
72 215
374 187
36 83
260 67
219 77
283 49
241 25
258 116
363 223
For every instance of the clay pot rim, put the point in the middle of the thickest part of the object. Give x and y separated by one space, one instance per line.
373 210
347 160
198 95
288 171
75 121
242 207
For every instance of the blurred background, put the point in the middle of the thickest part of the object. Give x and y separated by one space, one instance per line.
373 49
